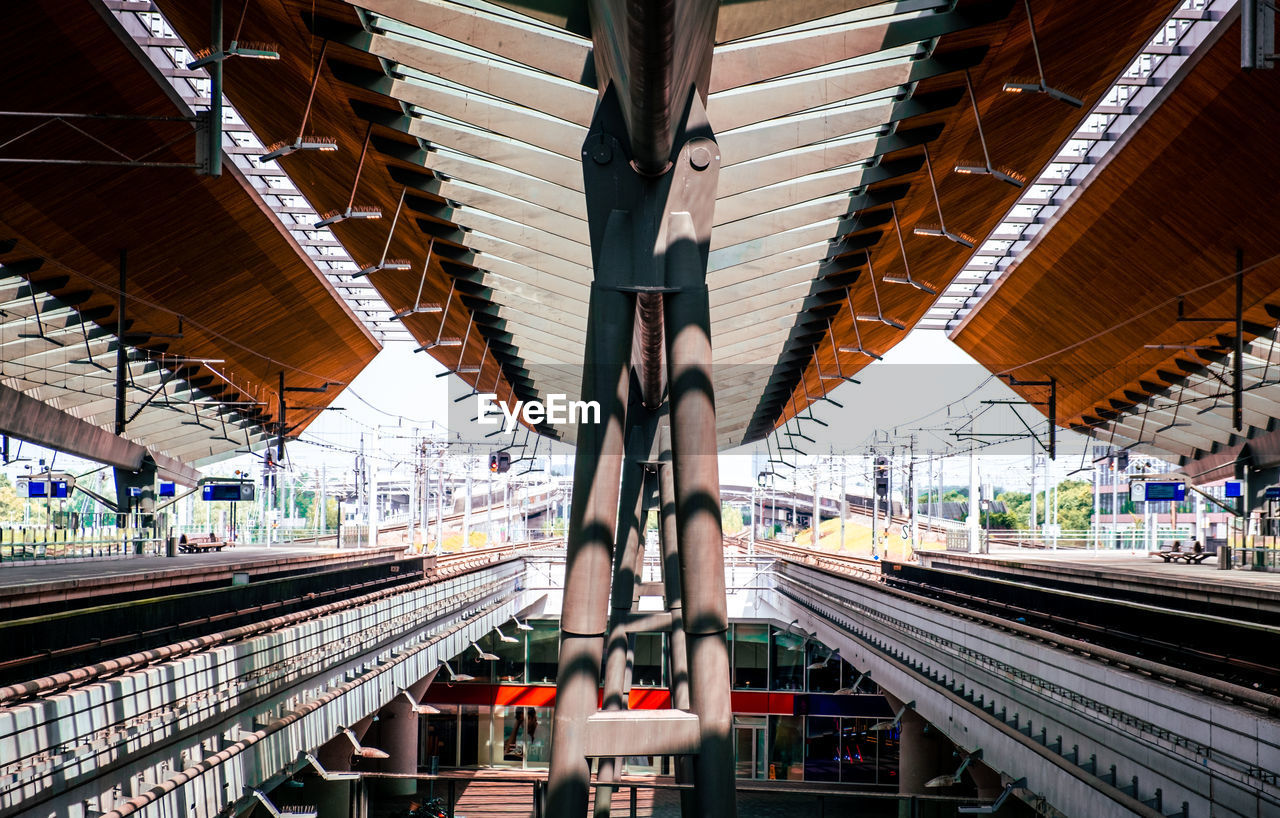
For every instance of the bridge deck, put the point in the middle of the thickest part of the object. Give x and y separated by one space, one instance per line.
1124 571
37 584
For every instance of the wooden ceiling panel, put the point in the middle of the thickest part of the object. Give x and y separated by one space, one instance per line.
198 247
272 97
1164 217
1085 46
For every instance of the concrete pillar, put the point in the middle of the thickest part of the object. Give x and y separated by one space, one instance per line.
987 780
920 748
398 736
915 755
974 524
144 481
333 799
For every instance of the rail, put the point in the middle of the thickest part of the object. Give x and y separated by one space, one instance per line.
655 797
197 682
978 668
446 567
844 564
1263 701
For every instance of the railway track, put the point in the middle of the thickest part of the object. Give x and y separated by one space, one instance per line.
66 643
1232 649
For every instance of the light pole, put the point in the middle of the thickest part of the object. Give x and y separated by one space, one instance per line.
763 479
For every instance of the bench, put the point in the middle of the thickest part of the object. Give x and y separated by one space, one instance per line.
198 545
1175 553
1197 555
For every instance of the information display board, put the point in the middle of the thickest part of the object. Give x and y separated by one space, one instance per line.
227 492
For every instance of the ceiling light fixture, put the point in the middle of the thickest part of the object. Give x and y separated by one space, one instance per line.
248 49
304 142
418 307
353 210
985 169
1040 87
879 313
902 247
941 230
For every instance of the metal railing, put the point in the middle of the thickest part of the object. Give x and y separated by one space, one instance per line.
33 545
1125 539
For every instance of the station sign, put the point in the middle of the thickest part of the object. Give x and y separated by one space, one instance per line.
46 486
1233 488
1157 491
1272 492
226 492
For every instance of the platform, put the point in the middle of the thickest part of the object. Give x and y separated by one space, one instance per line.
1128 571
36 584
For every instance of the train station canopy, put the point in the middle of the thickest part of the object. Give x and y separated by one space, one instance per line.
412 168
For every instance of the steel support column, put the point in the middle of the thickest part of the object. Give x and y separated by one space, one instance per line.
678 650
627 560
650 236
695 470
592 518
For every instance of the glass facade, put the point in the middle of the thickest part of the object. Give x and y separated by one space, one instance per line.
819 747
787 662
750 656
786 748
650 661
763 657
438 738
544 650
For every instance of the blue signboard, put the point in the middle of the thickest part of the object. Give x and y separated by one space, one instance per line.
167 490
58 489
223 492
1160 492
1233 488
37 488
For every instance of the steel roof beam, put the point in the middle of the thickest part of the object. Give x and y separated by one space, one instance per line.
758 59
656 52
809 187
524 124
533 286
538 46
556 96
529 248
739 107
784 166
813 127
448 164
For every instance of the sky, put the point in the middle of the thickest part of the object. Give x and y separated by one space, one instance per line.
925 387
400 392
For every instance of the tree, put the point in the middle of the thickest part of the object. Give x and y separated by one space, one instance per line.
11 505
730 519
1075 506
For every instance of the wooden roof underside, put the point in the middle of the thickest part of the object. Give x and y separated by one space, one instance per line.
1085 47
1164 218
198 247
